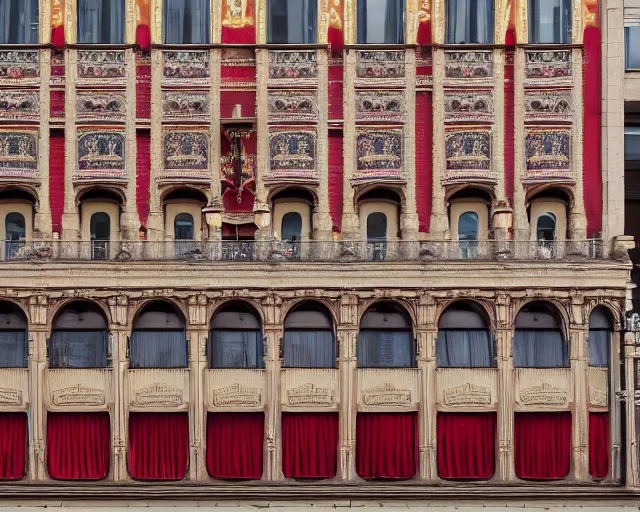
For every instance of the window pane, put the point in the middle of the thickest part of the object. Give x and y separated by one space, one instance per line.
381 21
100 226
183 228
101 21
546 228
292 21
632 47
550 21
18 21
377 226
292 226
15 226
468 226
78 349
469 22
632 143
186 21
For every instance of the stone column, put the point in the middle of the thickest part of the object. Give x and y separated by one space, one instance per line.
579 353
577 221
628 397
439 217
520 219
426 335
409 217
350 221
70 216
615 410
42 221
322 220
129 222
503 335
262 133
155 222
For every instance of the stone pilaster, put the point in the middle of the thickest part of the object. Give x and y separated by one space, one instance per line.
129 222
426 336
503 337
71 216
628 398
42 221
439 217
409 217
350 221
520 218
322 220
155 222
577 221
579 352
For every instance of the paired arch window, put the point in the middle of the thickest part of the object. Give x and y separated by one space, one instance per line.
186 21
549 21
235 338
539 341
292 21
79 338
464 339
469 21
13 336
380 21
309 340
385 339
101 21
600 332
19 22
159 338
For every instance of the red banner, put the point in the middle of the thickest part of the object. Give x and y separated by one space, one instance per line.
57 23
423 19
143 24
238 22
335 35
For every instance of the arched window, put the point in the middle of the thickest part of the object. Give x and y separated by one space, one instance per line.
183 227
464 339
385 338
13 336
79 338
235 338
309 341
546 227
539 341
468 225
159 338
291 228
377 236
600 331
101 21
16 231
100 232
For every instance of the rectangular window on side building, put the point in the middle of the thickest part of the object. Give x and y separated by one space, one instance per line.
292 21
19 22
101 21
380 21
632 47
186 21
549 21
469 22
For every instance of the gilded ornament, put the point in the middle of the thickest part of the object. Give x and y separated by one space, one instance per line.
235 13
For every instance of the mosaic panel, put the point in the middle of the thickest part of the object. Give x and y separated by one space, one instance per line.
380 67
292 68
101 153
19 66
101 105
550 105
185 105
469 106
379 153
19 153
547 66
185 153
380 106
285 105
292 153
548 153
56 78
186 67
468 150
105 67
23 105
468 66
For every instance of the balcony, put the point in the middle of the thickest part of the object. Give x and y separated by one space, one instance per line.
275 251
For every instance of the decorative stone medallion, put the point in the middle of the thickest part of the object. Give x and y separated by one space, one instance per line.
101 153
185 105
185 153
544 394
467 395
309 395
19 66
380 106
290 105
101 105
292 153
379 153
158 395
548 105
78 395
468 106
548 153
18 153
22 105
386 395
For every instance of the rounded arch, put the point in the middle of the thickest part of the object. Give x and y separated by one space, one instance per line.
309 313
80 305
600 317
299 192
601 323
101 193
405 305
554 307
309 336
255 306
155 309
235 313
324 303
386 314
22 192
184 192
613 310
14 327
12 316
481 308
377 192
550 191
479 191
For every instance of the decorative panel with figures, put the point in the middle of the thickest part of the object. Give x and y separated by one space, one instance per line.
292 105
548 105
186 68
102 67
468 67
185 105
19 153
380 68
94 105
293 68
372 105
292 153
548 154
379 153
468 154
468 106
101 153
547 67
185 153
20 105
19 67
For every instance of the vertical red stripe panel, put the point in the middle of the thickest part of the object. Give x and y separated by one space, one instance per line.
336 79
599 447
13 445
591 175
56 108
143 174
424 164
143 91
335 178
309 445
509 132
56 179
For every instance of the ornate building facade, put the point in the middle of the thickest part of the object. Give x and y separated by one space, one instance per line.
313 253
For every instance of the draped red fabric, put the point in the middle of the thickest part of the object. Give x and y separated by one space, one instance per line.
56 179
542 443
509 122
309 445
599 444
143 37
234 445
424 151
336 85
591 131
387 445
143 174
143 90
57 36
335 179
13 445
56 108
158 445
246 99
466 445
78 445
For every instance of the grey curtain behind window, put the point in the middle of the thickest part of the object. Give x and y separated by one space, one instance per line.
309 349
78 349
186 21
235 349
18 21
101 21
385 349
13 349
537 348
599 347
469 21
381 21
468 348
292 21
158 349
549 21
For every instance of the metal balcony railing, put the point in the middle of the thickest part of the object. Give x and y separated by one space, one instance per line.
313 251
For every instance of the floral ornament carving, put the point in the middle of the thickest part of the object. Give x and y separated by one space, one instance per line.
547 66
19 153
292 153
548 105
186 67
101 153
185 104
101 66
21 65
379 153
468 66
287 105
548 153
185 153
101 105
468 106
380 106
24 105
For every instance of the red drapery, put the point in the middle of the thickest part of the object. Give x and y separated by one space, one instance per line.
599 444
335 179
309 445
234 445
509 130
78 445
424 150
336 86
466 445
386 445
158 445
143 174
542 443
13 445
56 108
56 179
143 89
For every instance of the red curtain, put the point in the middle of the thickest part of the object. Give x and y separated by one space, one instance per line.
509 121
13 445
542 443
78 445
158 445
143 90
309 445
56 107
143 174
387 445
424 164
56 179
599 444
466 445
234 445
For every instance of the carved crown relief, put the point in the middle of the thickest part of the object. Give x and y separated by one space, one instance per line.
544 394
386 394
467 394
158 394
310 395
78 395
10 396
237 395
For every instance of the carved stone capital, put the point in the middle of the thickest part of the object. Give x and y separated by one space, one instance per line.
38 309
118 307
197 305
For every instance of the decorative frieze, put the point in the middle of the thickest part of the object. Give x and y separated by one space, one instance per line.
468 106
20 105
379 153
468 67
101 105
467 395
386 395
236 395
158 395
380 106
19 153
544 67
293 68
103 67
185 105
548 105
380 68
19 67
77 395
468 155
542 395
185 153
188 68
292 153
10 397
308 395
291 105
548 154
101 153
